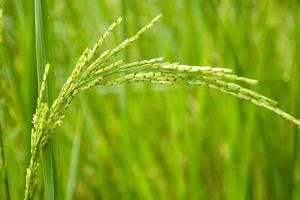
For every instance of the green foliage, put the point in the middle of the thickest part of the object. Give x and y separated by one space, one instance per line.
149 141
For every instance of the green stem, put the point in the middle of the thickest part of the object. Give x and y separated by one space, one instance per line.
40 8
40 11
4 191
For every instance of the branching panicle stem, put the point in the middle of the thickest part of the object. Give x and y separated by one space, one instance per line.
105 71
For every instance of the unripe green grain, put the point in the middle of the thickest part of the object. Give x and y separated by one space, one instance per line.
104 71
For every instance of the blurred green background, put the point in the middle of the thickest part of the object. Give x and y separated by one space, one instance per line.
152 141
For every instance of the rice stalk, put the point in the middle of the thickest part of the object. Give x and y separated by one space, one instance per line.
4 191
41 46
92 70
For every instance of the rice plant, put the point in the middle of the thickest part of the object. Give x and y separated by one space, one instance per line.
94 69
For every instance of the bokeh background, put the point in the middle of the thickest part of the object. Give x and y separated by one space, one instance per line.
145 141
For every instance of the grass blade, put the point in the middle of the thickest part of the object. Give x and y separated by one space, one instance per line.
41 59
4 191
74 161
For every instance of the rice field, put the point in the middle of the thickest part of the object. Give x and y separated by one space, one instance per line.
135 136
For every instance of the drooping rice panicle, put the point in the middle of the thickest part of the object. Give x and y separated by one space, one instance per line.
105 71
106 55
